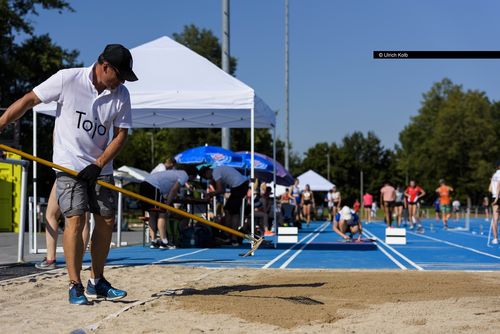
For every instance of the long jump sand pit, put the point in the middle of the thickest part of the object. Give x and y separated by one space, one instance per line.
195 300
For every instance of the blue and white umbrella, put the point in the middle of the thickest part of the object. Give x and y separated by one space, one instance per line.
263 166
214 155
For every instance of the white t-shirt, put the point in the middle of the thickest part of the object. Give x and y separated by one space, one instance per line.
159 168
84 119
494 183
230 177
165 180
329 198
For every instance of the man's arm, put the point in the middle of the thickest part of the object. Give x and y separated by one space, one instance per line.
114 147
496 198
360 229
17 109
338 231
173 193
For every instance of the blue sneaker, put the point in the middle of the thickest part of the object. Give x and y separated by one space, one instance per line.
103 289
76 294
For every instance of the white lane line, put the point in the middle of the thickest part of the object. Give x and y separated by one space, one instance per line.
396 252
298 251
399 264
181 255
273 261
456 245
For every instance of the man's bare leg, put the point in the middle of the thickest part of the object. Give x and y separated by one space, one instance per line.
86 232
101 240
162 226
494 222
73 246
52 215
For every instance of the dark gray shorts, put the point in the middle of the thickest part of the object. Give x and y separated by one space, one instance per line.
74 198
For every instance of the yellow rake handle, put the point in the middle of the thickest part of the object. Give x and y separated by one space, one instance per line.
131 194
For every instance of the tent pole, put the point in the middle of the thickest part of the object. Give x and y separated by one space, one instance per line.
252 172
225 132
35 181
120 213
275 223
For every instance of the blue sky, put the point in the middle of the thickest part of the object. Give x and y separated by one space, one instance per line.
335 85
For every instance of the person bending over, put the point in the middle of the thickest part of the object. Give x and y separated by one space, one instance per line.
228 177
163 187
347 224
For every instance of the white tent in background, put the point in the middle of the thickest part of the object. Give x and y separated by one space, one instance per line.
315 181
177 88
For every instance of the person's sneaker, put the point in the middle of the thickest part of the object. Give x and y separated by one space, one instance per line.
166 245
103 289
154 244
268 234
494 242
77 294
46 264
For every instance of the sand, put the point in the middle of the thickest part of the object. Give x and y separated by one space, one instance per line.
170 299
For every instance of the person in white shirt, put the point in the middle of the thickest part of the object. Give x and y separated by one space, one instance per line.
494 190
169 163
92 120
163 187
456 208
228 177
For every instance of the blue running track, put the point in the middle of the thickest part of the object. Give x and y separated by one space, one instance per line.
320 248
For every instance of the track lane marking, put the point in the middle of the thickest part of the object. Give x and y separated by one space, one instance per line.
273 261
416 266
297 252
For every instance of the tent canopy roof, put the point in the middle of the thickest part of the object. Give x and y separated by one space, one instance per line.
177 88
315 181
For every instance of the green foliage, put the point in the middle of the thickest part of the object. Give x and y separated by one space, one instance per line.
355 153
204 43
24 65
452 137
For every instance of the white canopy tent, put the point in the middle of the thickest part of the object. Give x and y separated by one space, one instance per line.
177 88
315 181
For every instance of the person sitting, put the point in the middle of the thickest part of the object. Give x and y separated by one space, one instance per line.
347 222
163 187
264 210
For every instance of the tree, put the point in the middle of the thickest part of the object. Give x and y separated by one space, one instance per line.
453 137
24 65
355 153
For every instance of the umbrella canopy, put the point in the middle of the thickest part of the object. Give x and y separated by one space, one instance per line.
214 155
264 168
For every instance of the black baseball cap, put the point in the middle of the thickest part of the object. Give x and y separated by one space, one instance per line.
120 58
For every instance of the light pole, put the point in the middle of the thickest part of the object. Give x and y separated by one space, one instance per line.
328 164
287 115
152 149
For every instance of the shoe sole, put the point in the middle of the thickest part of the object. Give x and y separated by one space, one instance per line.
46 268
103 297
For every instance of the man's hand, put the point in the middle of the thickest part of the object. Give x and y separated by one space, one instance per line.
90 174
